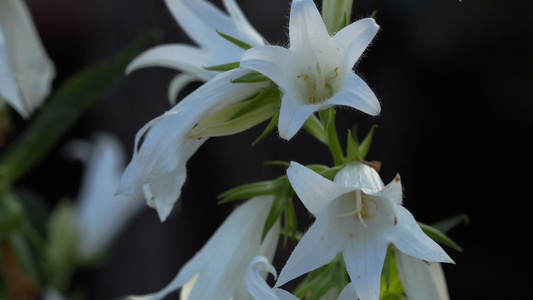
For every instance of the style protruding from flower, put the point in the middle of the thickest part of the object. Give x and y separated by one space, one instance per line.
218 270
26 71
315 73
200 20
358 216
159 161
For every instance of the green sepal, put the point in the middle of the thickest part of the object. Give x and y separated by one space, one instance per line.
224 67
391 286
352 148
247 191
235 41
238 117
364 147
251 77
327 117
265 97
374 14
277 163
282 196
318 282
271 125
439 237
314 127
447 224
73 98
291 224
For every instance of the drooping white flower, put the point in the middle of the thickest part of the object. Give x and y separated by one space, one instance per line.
421 280
315 73
218 270
200 19
158 163
261 291
100 214
358 216
26 71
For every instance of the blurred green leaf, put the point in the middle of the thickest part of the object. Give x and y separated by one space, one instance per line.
224 67
235 41
73 98
439 237
320 281
449 223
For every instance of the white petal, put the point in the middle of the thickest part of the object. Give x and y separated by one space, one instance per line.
199 19
355 37
357 94
313 190
306 26
33 69
348 293
318 247
177 84
364 258
163 193
421 280
293 115
358 176
222 262
101 215
274 62
409 238
8 88
249 34
166 145
180 57
254 281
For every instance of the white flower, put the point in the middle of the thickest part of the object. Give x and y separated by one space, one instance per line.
358 216
421 280
158 163
218 270
261 291
100 214
200 19
26 72
315 73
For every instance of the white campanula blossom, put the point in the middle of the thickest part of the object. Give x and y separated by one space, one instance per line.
358 216
26 71
261 291
100 214
420 279
218 270
200 20
159 160
315 73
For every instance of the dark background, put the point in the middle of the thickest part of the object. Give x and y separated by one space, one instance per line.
454 80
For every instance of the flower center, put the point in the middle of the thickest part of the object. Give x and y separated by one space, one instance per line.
362 208
319 85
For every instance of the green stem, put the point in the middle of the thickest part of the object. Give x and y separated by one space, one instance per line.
328 119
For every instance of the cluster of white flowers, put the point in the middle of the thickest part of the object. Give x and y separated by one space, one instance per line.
356 214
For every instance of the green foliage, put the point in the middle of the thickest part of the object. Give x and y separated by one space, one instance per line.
224 67
439 236
354 149
391 286
314 127
235 41
73 98
251 77
320 281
